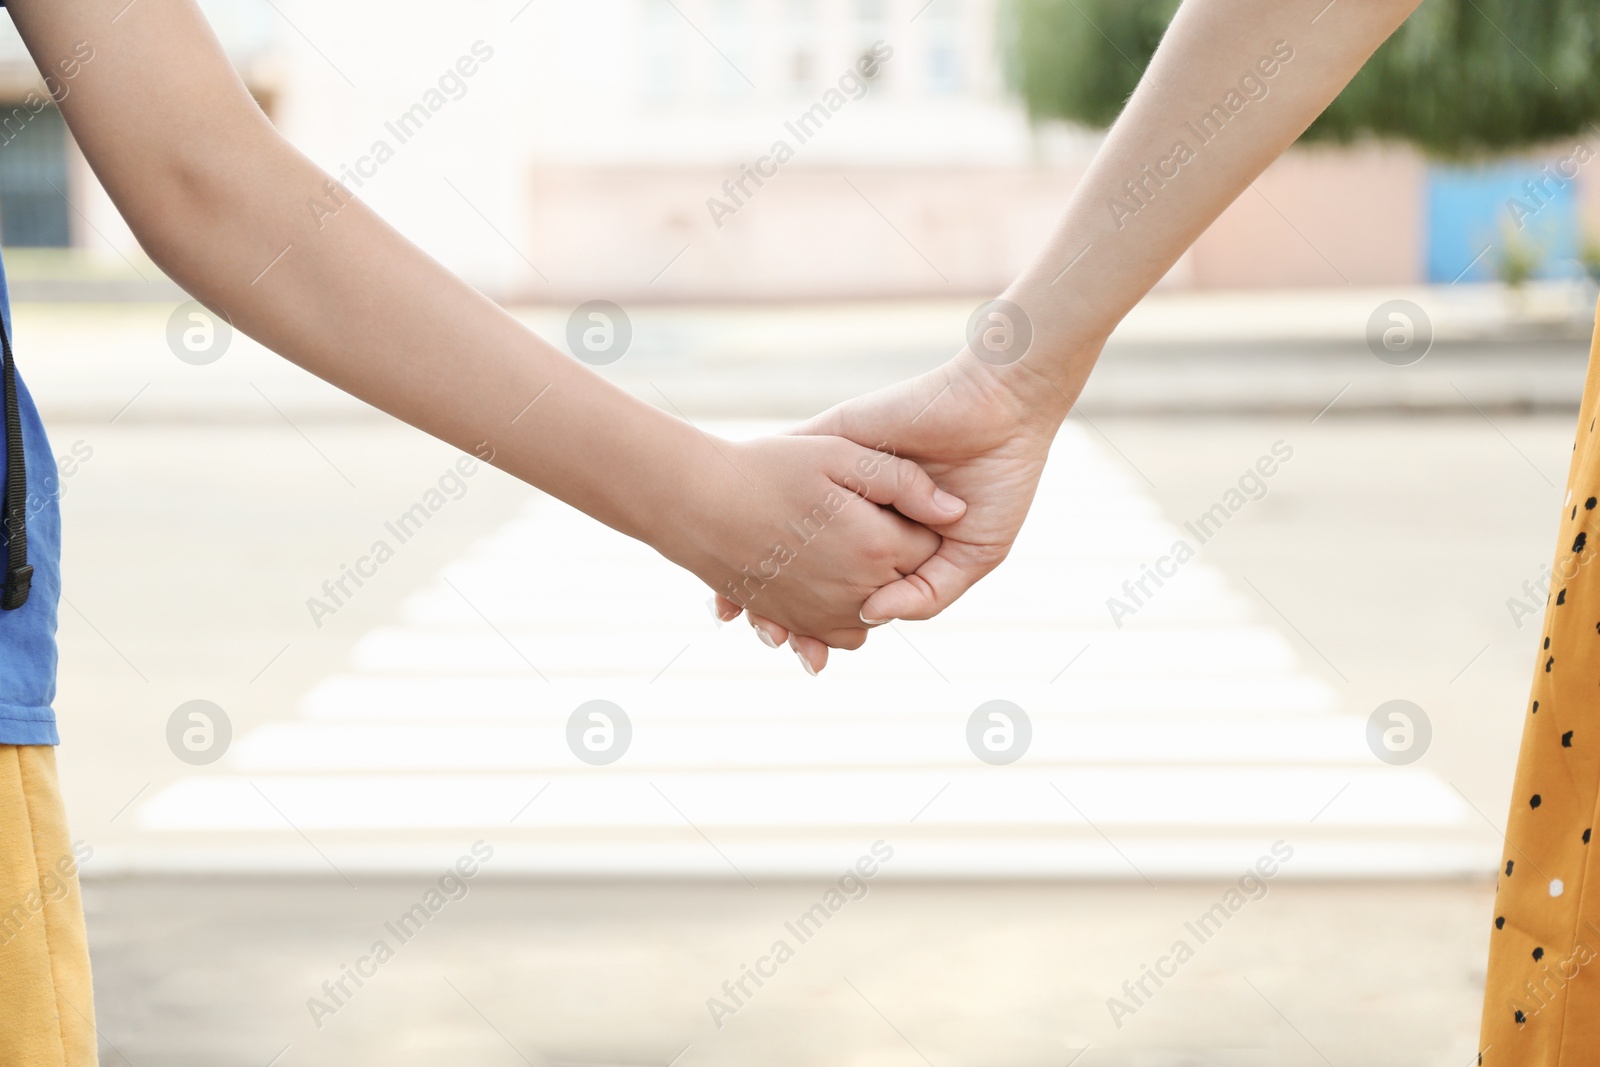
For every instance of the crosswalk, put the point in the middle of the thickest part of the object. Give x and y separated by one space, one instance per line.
1183 743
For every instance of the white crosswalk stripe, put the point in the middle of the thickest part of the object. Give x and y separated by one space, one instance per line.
1186 742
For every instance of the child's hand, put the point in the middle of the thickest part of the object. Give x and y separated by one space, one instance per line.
801 530
980 437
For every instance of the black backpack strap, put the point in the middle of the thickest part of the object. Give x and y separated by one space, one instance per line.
18 575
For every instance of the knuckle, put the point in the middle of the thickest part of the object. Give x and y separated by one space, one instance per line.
881 546
848 638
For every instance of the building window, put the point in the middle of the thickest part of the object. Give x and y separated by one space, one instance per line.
800 37
944 67
33 178
871 27
659 65
731 32
942 26
800 70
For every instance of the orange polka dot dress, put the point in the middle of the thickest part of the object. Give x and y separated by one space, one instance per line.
1542 998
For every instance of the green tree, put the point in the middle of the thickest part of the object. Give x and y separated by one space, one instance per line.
1461 79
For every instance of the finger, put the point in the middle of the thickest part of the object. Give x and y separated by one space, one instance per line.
902 485
813 654
935 585
723 609
830 423
772 634
912 546
846 637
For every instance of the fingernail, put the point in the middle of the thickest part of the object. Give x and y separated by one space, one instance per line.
945 502
862 615
805 663
766 638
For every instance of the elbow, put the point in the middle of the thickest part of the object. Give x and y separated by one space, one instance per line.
186 208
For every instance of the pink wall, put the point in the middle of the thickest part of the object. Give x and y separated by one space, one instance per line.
1318 217
808 233
1321 217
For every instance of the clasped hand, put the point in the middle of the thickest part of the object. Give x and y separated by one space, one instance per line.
933 478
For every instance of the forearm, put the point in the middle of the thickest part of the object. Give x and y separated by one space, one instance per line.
355 303
1232 86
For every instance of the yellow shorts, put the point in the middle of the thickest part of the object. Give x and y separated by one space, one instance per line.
46 1000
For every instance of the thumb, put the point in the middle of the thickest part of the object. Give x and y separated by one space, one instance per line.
937 583
824 424
902 485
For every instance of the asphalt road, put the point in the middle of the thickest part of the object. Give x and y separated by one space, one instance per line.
200 972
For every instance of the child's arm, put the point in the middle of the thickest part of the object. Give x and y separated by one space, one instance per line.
219 201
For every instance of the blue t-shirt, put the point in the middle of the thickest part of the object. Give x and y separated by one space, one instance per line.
28 634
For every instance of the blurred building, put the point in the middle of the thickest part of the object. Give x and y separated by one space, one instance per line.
750 149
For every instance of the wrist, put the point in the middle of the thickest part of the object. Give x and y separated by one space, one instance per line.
640 470
1037 346
1040 390
684 493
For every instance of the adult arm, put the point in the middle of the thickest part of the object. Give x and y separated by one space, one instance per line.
983 427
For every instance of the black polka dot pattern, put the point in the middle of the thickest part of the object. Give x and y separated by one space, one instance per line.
1546 915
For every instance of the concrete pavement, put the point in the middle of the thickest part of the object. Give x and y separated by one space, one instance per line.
1177 354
